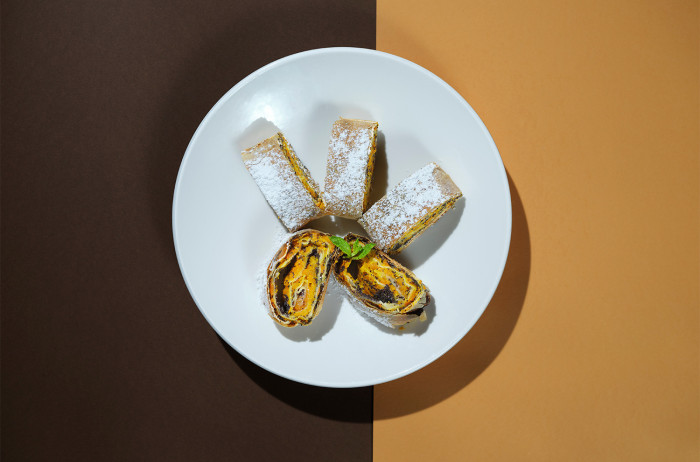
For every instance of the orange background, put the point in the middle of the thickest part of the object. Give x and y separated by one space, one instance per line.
590 347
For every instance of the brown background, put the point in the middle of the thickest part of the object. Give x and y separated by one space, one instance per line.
590 348
104 354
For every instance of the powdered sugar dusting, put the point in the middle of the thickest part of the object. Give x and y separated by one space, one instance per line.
349 155
410 201
279 183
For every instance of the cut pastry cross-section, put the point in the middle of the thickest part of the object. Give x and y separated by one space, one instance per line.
382 288
410 208
297 277
284 181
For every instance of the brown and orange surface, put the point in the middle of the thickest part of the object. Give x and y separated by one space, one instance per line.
589 349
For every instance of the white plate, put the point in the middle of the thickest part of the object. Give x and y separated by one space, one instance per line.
225 233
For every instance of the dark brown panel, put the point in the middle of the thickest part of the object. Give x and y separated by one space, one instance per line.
104 354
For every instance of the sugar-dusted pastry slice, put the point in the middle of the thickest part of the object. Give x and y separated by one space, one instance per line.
410 208
351 153
284 181
297 277
381 287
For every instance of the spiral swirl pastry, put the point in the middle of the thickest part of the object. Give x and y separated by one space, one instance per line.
297 277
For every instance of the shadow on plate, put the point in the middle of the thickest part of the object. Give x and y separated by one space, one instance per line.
337 226
482 344
380 174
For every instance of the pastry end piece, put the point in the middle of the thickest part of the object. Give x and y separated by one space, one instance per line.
284 181
350 165
410 208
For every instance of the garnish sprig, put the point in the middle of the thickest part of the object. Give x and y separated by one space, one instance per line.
355 251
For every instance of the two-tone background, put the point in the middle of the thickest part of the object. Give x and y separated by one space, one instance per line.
590 349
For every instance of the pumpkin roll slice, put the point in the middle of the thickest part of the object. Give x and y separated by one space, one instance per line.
297 277
284 181
382 288
410 208
349 167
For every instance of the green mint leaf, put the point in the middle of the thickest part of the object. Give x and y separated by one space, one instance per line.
356 247
365 251
342 245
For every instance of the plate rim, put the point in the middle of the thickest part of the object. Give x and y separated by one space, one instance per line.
501 171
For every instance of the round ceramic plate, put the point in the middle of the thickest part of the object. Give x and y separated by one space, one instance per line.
225 233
